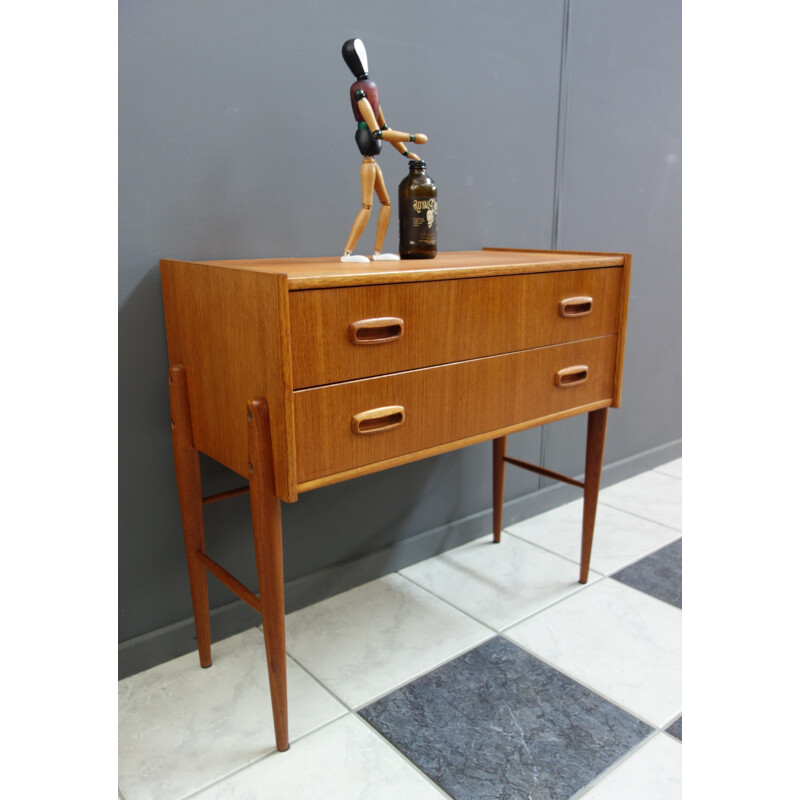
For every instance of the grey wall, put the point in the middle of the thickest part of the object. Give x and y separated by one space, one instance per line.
551 124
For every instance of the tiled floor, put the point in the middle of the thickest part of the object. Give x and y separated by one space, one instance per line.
486 672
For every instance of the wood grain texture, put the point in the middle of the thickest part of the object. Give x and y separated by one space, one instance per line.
568 377
233 583
622 327
547 473
377 420
229 331
444 404
498 484
268 540
480 346
537 251
627 260
445 321
407 458
315 273
595 444
190 497
365 332
575 306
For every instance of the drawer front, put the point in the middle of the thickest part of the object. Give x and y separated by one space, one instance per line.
353 424
356 332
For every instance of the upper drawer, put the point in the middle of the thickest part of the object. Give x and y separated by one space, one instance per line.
336 333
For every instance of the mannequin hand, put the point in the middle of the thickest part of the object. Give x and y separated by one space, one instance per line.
419 138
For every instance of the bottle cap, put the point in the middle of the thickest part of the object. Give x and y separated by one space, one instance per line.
418 164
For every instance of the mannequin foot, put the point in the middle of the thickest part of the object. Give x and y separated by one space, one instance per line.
385 257
355 259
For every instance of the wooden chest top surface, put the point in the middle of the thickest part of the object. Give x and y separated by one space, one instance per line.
314 273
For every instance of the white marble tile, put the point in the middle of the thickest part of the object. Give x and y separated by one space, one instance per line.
652 772
622 643
182 727
369 640
619 538
651 495
674 468
499 584
345 760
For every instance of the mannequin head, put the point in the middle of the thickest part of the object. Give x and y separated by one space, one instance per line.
355 56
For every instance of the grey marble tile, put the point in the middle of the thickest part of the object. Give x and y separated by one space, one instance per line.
659 574
676 729
498 724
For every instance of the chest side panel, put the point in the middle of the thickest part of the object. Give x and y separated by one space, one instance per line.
229 329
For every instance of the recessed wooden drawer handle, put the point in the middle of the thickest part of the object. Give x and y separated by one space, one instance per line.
376 331
378 419
572 376
575 307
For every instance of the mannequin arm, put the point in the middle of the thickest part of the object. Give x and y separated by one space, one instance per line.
399 146
388 135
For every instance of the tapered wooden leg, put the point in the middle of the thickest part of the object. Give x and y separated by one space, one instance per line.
190 497
595 442
498 480
267 535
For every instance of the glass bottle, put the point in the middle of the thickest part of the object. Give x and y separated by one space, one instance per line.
419 212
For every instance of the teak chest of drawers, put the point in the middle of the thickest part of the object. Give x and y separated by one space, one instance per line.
299 373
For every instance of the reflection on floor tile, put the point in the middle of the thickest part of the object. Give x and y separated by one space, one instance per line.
182 727
619 538
345 760
653 772
676 729
498 723
650 495
499 584
621 642
674 468
371 639
658 574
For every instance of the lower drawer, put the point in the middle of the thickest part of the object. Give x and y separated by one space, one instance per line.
348 425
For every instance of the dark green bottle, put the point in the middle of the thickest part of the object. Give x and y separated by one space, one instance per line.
419 213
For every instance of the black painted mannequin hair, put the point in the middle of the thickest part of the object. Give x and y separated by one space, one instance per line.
353 59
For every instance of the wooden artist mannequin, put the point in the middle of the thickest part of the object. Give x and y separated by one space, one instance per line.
371 131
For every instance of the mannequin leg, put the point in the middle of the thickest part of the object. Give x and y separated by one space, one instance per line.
368 167
383 218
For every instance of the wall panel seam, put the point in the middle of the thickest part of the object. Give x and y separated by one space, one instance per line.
558 172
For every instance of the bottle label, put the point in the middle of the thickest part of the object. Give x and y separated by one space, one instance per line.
420 218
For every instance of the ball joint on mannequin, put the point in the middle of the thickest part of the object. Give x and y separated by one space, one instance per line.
372 130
